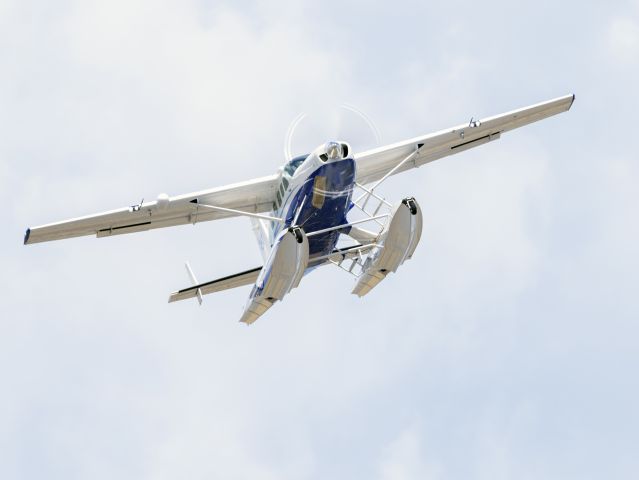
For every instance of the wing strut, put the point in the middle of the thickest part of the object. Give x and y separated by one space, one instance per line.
345 225
368 193
198 292
238 212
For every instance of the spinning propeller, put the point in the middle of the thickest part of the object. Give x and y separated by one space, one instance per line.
342 122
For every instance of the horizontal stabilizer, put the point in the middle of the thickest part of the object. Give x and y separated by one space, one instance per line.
249 277
232 281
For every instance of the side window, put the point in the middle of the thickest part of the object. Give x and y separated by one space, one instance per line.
281 192
294 164
289 171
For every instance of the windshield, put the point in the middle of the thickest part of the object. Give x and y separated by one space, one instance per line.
294 164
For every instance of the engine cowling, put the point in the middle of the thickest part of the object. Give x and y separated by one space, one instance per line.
399 240
281 273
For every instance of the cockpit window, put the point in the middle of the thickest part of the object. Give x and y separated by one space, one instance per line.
294 164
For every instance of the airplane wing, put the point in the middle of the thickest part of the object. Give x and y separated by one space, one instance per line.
254 196
374 165
257 196
232 281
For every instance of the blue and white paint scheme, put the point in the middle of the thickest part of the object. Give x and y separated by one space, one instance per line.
316 194
302 213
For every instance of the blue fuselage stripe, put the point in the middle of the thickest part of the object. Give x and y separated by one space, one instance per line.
326 196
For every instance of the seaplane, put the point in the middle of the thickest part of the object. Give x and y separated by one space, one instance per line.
321 208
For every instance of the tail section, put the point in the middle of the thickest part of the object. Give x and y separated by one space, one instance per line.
280 274
225 283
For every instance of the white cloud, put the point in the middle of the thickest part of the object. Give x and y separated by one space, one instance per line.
623 40
405 459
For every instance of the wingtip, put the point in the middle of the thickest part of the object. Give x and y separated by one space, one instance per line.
572 101
27 234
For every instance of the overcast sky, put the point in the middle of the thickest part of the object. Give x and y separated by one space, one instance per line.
506 348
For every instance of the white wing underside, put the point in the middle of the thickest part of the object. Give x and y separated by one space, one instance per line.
254 196
257 196
374 164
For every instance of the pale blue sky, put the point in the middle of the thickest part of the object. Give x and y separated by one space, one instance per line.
506 348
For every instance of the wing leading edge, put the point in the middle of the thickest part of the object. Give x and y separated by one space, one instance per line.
374 164
254 196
